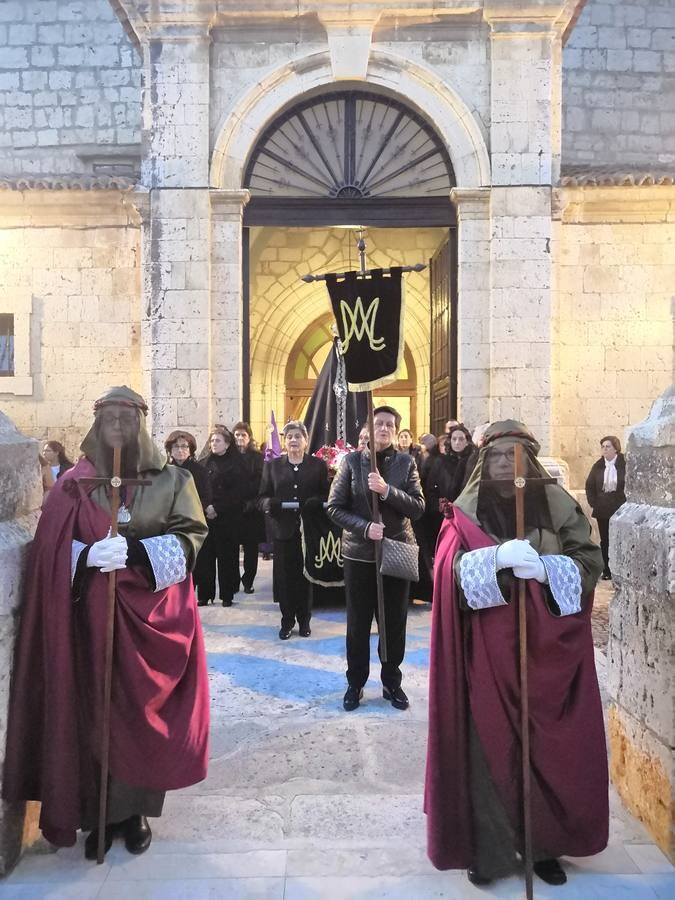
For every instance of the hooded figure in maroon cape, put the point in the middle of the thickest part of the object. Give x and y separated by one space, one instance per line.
473 791
159 717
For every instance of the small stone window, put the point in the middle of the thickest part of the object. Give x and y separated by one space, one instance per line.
15 348
6 345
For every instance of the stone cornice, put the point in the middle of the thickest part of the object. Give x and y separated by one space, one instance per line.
169 19
68 183
69 208
599 205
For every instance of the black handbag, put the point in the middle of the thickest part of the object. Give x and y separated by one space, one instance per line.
400 560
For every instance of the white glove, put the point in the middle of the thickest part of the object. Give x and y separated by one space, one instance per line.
515 553
109 554
534 569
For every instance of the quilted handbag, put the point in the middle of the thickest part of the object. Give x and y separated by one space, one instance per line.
399 560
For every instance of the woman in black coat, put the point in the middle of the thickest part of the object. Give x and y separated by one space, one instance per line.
252 523
225 472
295 476
605 487
181 449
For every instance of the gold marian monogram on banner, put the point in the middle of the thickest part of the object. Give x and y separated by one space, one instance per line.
330 550
357 323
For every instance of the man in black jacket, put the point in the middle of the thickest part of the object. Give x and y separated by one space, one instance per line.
401 500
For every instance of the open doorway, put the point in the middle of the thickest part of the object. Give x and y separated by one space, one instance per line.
290 320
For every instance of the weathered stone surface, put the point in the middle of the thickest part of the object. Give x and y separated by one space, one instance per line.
20 496
641 663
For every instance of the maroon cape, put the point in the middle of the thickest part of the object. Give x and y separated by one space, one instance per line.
160 706
474 672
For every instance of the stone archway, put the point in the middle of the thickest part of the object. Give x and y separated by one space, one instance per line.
435 100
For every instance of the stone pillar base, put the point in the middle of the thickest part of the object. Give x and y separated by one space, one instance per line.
640 768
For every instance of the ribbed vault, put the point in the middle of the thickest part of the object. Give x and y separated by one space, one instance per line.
282 305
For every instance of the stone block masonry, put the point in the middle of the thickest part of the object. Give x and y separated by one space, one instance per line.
20 498
619 85
69 79
640 661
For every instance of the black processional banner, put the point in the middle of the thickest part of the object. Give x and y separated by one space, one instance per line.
369 314
321 548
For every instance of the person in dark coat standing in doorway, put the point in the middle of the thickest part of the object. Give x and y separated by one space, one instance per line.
252 523
605 491
295 476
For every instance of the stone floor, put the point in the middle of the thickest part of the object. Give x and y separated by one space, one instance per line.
305 801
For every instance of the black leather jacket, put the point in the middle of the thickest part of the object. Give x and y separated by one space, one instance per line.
349 502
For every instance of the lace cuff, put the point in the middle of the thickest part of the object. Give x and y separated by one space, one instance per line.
564 581
478 577
167 560
76 548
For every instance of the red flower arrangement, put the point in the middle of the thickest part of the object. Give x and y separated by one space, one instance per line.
333 454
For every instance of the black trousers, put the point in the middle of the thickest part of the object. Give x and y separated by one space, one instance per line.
361 600
250 563
289 585
221 551
603 528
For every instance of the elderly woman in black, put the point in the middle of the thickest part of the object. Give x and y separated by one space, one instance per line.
294 476
221 547
605 491
181 450
398 484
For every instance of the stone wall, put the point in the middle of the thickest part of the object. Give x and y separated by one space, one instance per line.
20 498
614 251
69 84
619 85
71 261
641 662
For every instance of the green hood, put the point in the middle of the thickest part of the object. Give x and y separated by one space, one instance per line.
150 457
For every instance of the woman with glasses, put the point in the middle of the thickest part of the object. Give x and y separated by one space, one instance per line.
472 796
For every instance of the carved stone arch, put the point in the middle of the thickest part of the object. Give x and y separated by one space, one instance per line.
438 102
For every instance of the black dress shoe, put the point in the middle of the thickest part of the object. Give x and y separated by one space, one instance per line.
249 590
285 633
227 601
352 698
137 834
203 602
550 871
476 878
91 843
305 630
396 697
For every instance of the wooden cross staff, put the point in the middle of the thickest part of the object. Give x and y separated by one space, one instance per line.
116 482
521 482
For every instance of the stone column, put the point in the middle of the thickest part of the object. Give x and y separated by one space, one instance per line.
473 264
525 152
20 499
177 230
640 659
227 338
